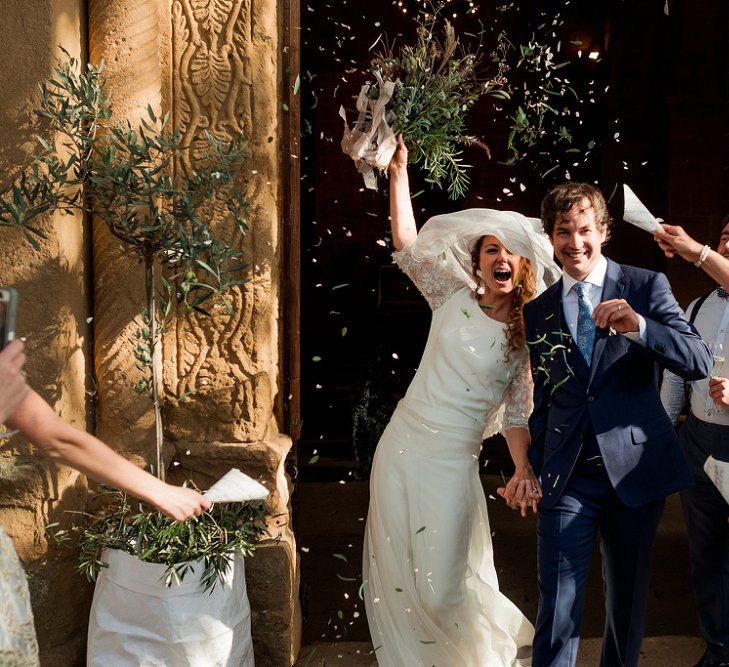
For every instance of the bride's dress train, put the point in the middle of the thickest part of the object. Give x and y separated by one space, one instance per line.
431 591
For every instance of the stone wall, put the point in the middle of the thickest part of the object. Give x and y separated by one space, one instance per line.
54 307
225 78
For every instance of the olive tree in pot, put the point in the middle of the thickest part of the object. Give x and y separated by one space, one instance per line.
167 593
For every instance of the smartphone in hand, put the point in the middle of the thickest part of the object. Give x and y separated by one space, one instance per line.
8 311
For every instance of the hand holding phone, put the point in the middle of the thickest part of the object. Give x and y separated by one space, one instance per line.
8 312
13 388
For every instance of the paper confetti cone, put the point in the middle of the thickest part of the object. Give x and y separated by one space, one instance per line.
235 487
718 473
637 214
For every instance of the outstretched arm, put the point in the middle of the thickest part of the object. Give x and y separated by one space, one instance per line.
674 240
63 443
402 218
435 284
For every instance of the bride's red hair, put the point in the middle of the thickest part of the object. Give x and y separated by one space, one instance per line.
525 291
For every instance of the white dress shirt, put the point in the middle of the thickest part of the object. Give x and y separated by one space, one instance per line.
712 322
595 282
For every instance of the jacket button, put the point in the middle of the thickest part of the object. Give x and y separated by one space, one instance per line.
591 398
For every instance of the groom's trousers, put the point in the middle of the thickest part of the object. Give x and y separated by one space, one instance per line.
706 514
567 531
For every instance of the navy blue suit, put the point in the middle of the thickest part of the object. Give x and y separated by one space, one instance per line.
607 456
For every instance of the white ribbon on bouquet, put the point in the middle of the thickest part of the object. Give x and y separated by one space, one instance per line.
371 142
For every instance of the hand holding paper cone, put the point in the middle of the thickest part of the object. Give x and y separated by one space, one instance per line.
674 240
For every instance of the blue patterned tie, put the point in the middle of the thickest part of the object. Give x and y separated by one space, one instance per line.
723 294
585 324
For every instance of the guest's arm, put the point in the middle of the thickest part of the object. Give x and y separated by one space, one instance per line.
719 391
674 240
37 422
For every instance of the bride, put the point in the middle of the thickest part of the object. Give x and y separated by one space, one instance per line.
431 591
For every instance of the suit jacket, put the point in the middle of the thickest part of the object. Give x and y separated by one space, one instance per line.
617 397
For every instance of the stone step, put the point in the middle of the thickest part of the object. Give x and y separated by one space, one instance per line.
661 651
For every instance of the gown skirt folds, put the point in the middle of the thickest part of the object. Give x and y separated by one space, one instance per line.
430 586
431 590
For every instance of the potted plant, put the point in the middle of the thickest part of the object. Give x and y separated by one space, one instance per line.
149 606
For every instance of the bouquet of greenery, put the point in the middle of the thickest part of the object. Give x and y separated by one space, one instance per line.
424 92
125 524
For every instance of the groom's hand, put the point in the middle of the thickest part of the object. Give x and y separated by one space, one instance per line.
522 491
617 314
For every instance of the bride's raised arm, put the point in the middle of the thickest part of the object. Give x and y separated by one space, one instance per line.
402 218
428 273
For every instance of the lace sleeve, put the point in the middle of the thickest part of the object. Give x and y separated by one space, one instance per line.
18 646
519 398
434 283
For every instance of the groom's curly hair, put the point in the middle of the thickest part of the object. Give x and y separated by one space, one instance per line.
525 291
561 199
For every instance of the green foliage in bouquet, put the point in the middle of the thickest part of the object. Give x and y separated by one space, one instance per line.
129 178
124 524
436 84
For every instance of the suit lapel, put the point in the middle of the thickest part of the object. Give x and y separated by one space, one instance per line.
612 289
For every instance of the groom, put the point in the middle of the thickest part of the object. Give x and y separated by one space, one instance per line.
602 444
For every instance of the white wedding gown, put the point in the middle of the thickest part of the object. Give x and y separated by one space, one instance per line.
18 647
431 591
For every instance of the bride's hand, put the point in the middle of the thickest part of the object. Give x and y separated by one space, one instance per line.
399 161
522 490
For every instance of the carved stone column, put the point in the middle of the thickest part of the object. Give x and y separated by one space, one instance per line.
52 318
125 34
225 79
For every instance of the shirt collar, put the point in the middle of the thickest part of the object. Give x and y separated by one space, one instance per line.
596 277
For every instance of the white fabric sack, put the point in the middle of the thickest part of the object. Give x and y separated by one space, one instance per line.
137 622
236 487
718 473
635 212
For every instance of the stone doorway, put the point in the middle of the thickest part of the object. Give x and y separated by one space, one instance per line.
362 322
